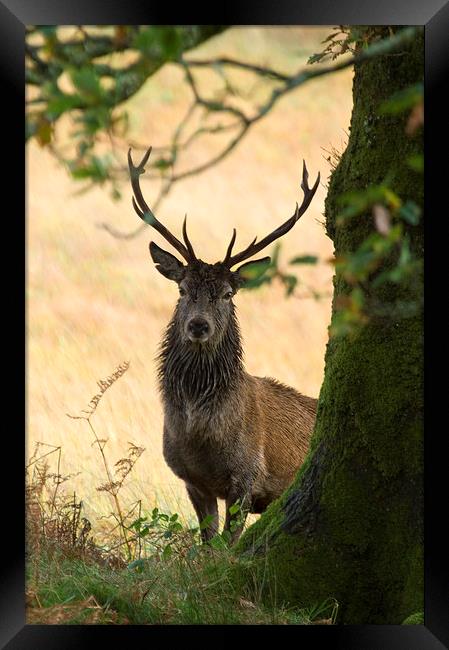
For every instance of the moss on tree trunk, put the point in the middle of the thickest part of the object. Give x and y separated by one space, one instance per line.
351 525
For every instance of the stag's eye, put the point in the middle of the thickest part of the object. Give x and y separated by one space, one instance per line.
228 295
182 292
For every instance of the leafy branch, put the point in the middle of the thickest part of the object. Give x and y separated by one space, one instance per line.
100 87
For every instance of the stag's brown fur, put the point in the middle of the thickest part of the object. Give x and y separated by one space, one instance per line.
282 420
227 434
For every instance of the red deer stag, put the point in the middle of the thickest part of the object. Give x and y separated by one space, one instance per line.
227 434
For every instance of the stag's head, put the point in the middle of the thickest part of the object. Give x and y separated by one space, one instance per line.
206 290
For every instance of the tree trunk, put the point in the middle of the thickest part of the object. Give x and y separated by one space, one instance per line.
350 527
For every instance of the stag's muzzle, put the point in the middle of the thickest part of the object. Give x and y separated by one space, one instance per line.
198 330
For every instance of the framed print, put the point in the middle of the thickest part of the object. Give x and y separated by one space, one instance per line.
221 433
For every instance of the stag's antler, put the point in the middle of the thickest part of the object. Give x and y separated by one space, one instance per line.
145 213
253 248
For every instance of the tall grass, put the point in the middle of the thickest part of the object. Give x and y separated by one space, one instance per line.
149 566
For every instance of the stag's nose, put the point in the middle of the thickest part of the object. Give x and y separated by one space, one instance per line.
198 328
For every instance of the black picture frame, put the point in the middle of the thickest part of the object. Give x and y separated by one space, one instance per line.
14 15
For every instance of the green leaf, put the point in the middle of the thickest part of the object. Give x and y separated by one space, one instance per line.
254 284
380 279
47 30
392 199
97 170
137 565
253 270
162 42
358 202
61 103
167 552
137 523
410 212
171 39
208 519
44 133
416 162
226 535
162 163
354 203
219 542
234 508
304 259
80 173
358 265
357 298
403 100
315 58
405 255
94 119
88 84
290 282
147 41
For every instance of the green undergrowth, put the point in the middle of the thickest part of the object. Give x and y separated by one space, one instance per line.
202 590
136 565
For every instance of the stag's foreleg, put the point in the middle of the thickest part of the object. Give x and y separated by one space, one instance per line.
240 495
204 505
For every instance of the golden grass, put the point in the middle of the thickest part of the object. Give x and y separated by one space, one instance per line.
94 301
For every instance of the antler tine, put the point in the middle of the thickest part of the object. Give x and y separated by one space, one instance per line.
145 212
231 244
187 240
254 248
305 177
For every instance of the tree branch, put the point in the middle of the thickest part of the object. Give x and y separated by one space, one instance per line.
92 46
258 69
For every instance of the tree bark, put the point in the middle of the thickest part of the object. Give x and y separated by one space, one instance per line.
350 527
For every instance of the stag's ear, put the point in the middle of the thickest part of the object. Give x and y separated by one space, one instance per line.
252 271
166 263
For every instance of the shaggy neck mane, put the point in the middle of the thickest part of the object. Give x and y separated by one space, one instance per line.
202 374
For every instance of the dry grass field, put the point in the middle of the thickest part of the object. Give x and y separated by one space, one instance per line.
94 301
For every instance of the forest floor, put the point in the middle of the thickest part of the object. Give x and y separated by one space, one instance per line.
151 571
